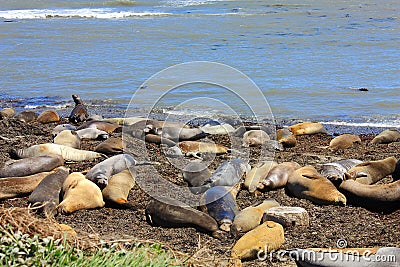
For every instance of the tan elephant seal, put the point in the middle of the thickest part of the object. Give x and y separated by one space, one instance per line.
118 188
27 116
344 141
48 116
29 166
79 193
111 145
307 183
258 173
68 138
386 137
306 128
371 172
196 147
286 137
79 113
6 113
278 176
48 191
20 186
255 138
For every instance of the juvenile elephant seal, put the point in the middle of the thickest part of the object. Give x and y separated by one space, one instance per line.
29 166
196 173
155 139
286 137
59 128
255 138
48 116
101 125
307 183
278 176
27 116
79 194
20 186
335 171
168 212
386 137
177 134
344 141
250 217
111 145
48 191
196 148
79 113
6 113
118 188
223 128
258 173
371 172
68 153
68 138
92 133
307 128
396 172
219 202
125 121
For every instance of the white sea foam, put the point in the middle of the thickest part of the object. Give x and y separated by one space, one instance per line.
99 13
185 3
61 106
383 124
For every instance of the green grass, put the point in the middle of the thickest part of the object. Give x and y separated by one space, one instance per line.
17 249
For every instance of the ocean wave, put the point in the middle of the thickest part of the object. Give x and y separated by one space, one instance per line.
99 13
379 124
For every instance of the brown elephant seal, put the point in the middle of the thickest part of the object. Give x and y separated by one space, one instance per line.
258 173
6 113
381 196
250 217
29 166
101 125
396 172
335 171
306 128
27 116
20 186
267 237
48 191
92 133
278 176
79 113
344 141
111 145
155 139
307 183
254 138
196 173
79 193
371 172
196 147
48 116
68 138
68 153
286 137
118 188
61 127
386 137
168 212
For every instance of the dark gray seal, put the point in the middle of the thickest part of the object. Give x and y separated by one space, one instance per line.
79 113
335 171
28 166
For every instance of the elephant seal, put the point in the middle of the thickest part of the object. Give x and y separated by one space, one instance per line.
20 186
48 116
286 137
48 191
255 138
168 212
101 125
68 138
250 217
381 197
68 153
111 145
177 134
344 141
268 236
386 137
92 133
307 183
27 116
307 128
196 173
371 172
118 188
6 113
396 172
155 139
223 128
125 121
219 202
278 176
335 171
258 173
79 193
29 166
59 128
196 148
79 113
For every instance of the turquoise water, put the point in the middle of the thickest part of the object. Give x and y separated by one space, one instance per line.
308 58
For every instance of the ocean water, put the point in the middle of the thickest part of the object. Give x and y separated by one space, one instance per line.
307 59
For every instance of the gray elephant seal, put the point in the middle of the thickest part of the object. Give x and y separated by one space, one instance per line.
335 171
27 116
196 173
286 137
59 128
29 166
168 212
156 139
68 138
278 176
79 113
179 134
92 133
48 191
386 137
